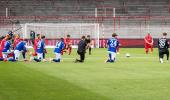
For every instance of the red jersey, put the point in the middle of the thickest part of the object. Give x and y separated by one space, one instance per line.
36 43
148 39
67 41
2 44
16 41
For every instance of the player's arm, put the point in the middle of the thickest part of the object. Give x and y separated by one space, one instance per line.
63 47
117 45
108 42
91 42
70 43
45 50
146 41
167 43
158 44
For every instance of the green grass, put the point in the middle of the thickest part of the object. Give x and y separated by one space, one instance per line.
140 77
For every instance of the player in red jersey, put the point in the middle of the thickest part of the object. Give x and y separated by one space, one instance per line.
148 43
16 40
1 39
68 44
36 44
2 44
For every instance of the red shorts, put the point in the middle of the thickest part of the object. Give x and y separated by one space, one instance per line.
11 54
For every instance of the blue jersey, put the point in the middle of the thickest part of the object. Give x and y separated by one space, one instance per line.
41 46
6 46
112 45
59 47
21 46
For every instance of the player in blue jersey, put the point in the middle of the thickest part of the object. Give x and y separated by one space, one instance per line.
40 51
58 50
45 51
112 43
20 47
6 50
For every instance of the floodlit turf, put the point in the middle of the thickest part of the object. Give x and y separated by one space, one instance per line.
140 77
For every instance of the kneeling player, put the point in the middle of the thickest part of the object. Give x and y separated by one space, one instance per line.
40 51
1 47
58 50
6 50
44 51
112 43
163 46
20 47
17 40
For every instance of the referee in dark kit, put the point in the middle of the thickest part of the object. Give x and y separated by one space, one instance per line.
81 49
163 46
89 44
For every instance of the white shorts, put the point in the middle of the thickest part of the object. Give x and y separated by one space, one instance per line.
17 54
5 54
112 55
40 56
58 56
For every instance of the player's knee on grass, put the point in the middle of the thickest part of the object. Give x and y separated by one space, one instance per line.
111 57
37 60
56 60
109 60
12 60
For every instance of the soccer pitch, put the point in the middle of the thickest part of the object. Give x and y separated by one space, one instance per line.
140 77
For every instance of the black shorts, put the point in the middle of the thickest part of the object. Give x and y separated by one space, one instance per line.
82 56
162 52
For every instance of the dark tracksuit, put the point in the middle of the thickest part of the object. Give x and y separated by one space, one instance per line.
81 50
32 37
163 46
88 41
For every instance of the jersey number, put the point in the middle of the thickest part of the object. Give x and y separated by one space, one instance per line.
113 43
58 45
39 45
